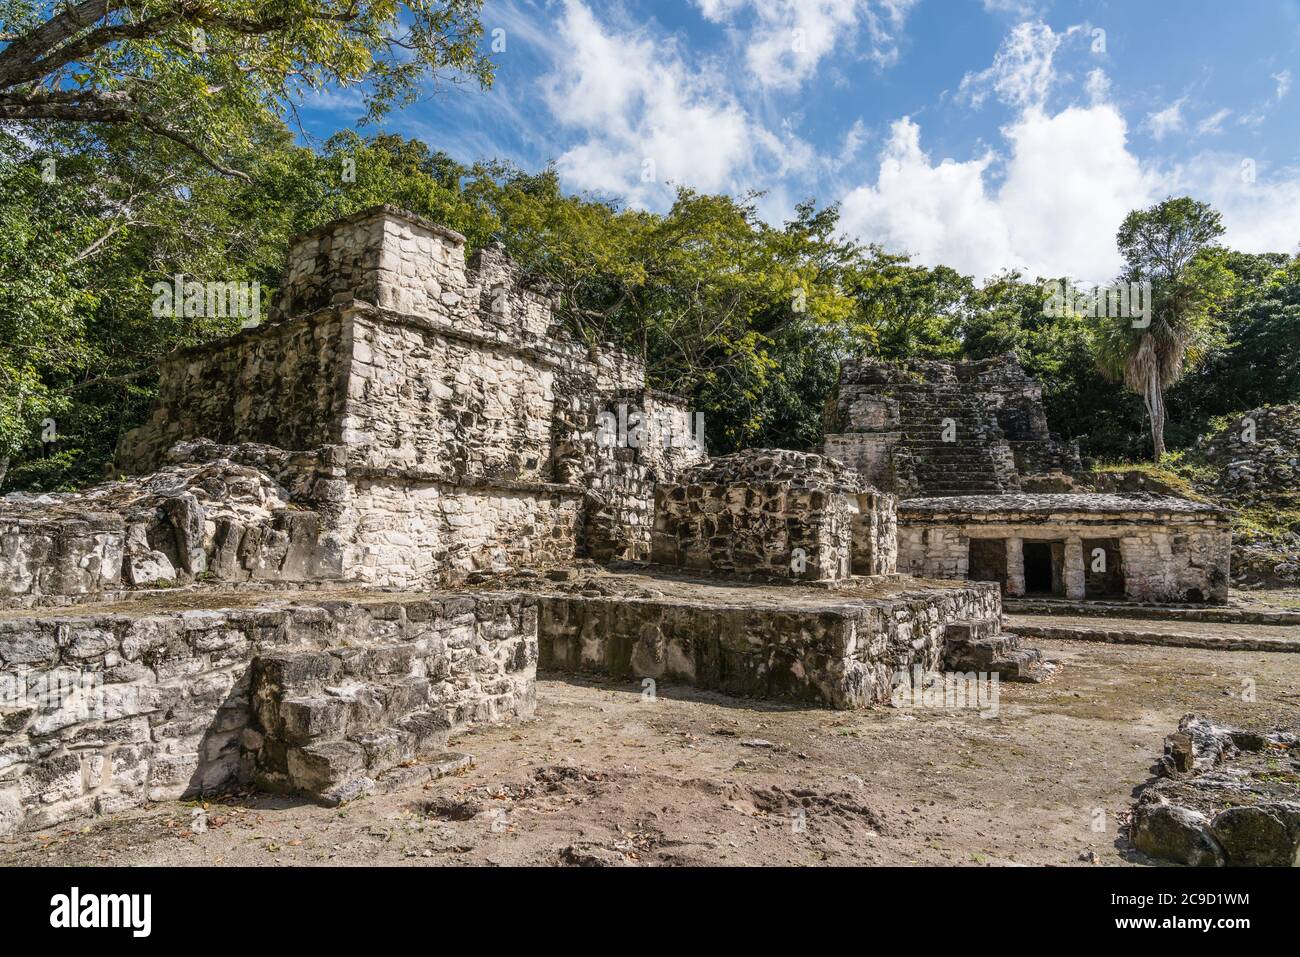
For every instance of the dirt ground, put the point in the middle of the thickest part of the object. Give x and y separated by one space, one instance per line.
604 776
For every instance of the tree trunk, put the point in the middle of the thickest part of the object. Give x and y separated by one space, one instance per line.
4 467
1155 403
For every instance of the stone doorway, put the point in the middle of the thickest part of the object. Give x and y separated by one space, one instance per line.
1043 568
987 561
1103 568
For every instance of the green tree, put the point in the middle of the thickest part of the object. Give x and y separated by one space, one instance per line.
205 73
1173 246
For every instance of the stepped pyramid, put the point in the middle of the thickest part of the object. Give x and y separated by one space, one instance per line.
941 429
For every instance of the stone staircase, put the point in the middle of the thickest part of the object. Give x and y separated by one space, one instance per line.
336 725
978 462
982 646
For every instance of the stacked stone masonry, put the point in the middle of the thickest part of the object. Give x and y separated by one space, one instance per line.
838 651
938 428
101 712
776 513
469 424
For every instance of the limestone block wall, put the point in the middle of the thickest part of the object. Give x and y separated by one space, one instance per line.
430 401
643 438
840 654
75 555
102 712
772 512
430 380
1169 550
279 384
412 534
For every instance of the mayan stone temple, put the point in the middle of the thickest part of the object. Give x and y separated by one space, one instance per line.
348 535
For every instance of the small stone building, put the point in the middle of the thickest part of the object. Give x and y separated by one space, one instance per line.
1139 547
778 513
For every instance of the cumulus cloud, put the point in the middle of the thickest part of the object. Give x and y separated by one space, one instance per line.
1067 183
785 40
1068 179
645 117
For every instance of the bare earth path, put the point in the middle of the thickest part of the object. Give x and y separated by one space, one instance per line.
1192 634
603 776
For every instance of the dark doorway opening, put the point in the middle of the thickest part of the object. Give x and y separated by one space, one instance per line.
1103 571
987 561
1043 562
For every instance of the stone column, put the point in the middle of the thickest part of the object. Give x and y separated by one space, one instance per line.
1073 569
1015 566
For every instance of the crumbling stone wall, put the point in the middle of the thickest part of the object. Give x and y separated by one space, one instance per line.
277 384
1169 549
772 512
838 651
212 514
939 428
101 712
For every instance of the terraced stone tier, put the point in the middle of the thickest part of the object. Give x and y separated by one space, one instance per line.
105 709
839 647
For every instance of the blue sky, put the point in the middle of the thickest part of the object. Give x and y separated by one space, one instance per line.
984 134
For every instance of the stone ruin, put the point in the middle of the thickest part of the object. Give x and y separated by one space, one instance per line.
783 514
927 429
354 531
988 491
1140 547
1222 797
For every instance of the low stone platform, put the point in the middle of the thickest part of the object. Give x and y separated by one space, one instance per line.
106 708
838 646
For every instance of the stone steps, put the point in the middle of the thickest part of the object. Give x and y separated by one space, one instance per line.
981 646
336 724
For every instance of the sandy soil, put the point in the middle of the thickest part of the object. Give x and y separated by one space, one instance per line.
602 775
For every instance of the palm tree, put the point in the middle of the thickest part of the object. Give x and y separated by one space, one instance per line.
1172 246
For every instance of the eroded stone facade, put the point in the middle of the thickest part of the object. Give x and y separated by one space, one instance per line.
468 423
941 428
101 712
776 513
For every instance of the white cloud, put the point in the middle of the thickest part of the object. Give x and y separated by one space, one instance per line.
1097 86
646 117
1260 207
1283 81
1213 125
1068 183
1021 74
1017 8
1166 121
938 212
787 39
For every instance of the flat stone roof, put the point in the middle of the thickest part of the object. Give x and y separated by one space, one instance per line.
1136 504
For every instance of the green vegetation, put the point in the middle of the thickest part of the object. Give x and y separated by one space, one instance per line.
747 319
